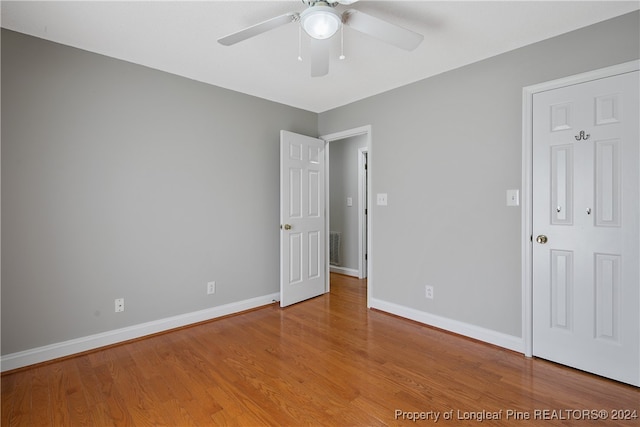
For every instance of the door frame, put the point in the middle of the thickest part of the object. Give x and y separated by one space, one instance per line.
363 184
362 130
527 182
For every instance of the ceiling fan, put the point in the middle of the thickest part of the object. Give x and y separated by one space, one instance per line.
321 21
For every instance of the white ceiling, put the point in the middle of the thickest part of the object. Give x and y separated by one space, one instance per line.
180 37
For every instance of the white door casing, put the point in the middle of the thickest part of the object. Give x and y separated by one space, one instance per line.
585 202
362 212
302 218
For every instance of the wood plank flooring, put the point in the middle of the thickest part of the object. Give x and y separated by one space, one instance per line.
328 361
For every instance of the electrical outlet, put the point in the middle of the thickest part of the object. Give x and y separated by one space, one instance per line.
119 305
428 292
211 288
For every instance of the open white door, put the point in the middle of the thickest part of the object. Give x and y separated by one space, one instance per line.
586 227
302 218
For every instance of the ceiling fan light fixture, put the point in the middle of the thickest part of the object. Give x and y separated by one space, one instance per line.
320 22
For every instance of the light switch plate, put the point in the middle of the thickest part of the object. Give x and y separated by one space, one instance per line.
513 197
349 201
381 199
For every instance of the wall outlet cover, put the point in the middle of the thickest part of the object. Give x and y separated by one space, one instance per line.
428 292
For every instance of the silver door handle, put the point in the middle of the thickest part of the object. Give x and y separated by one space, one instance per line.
542 239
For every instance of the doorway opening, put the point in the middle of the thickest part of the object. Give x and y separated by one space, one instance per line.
347 199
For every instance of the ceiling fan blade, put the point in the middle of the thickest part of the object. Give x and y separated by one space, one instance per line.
257 29
382 30
319 58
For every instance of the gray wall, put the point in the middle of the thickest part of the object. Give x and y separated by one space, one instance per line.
446 149
343 183
122 181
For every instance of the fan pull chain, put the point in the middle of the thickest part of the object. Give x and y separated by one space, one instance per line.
342 42
299 43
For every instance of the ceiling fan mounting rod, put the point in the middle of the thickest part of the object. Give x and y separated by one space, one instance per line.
312 3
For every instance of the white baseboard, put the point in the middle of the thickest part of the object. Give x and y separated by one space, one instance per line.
343 270
486 335
91 342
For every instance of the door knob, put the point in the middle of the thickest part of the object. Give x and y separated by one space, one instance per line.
542 239
287 226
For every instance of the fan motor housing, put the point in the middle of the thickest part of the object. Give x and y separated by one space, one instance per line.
320 21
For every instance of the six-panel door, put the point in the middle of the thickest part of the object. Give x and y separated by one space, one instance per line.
586 257
302 215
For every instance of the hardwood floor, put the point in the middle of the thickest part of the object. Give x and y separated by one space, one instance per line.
327 361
